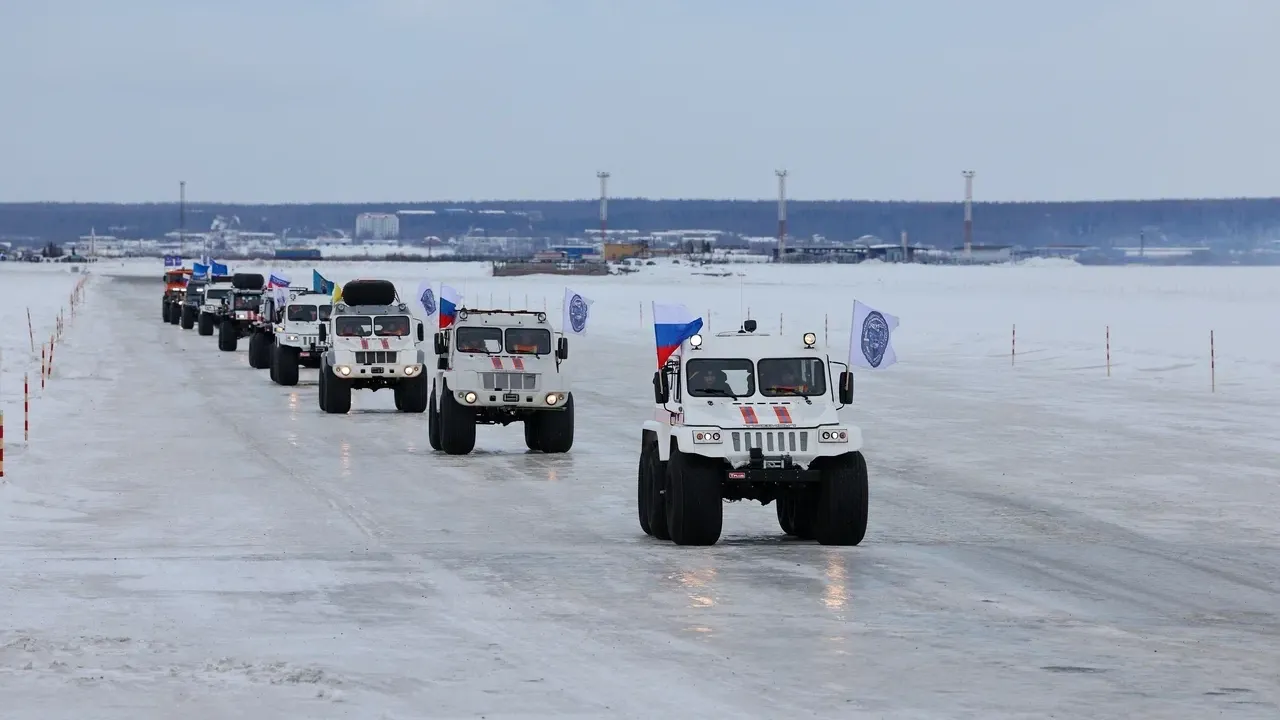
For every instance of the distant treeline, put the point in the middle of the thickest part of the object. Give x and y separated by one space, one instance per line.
1229 223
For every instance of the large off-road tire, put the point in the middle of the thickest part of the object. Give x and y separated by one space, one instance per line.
841 517
165 308
227 336
248 281
285 362
433 421
175 313
553 429
337 392
321 391
255 350
412 394
652 481
205 326
188 319
797 509
532 437
457 425
369 292
695 511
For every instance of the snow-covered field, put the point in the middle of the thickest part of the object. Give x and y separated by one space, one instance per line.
183 538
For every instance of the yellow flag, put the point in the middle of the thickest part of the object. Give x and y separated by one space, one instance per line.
337 293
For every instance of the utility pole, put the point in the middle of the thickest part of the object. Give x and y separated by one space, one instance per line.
782 213
604 205
968 213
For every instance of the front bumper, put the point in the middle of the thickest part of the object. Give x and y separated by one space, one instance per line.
772 469
523 399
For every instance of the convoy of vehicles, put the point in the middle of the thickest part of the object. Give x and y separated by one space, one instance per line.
739 415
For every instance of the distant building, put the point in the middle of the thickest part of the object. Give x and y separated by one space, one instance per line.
985 253
377 226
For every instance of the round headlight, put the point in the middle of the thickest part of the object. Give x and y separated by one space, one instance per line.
542 317
410 369
470 397
715 436
810 338
552 398
344 370
695 341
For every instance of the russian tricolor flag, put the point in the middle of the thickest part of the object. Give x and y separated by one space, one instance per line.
672 325
277 280
450 299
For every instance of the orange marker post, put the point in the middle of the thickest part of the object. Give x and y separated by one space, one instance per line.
1108 351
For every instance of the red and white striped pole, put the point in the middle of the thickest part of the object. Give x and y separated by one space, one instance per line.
1213 370
44 365
1013 345
1108 351
26 408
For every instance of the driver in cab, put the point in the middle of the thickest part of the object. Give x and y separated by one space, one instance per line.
711 382
787 381
524 341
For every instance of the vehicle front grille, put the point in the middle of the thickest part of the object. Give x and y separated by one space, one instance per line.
509 381
371 357
771 440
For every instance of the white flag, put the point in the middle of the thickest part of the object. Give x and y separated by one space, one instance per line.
427 299
577 312
871 338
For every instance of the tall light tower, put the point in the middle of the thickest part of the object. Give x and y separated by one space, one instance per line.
182 215
968 213
604 205
782 213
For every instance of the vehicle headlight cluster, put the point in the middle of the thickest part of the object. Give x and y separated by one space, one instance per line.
469 397
553 398
343 370
410 369
836 436
706 436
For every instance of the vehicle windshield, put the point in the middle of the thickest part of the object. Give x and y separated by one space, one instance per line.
391 325
479 339
216 293
720 377
247 302
353 326
792 376
303 313
528 341
326 311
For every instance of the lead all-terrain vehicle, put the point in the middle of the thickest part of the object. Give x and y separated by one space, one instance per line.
296 340
210 310
747 416
496 367
372 344
239 309
175 282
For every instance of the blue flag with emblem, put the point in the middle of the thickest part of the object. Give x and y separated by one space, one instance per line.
320 284
218 269
199 270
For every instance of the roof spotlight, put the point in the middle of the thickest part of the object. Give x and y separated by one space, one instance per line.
810 339
695 341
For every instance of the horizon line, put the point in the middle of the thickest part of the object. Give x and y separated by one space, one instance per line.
771 201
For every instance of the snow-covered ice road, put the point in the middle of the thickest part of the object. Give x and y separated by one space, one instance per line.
196 542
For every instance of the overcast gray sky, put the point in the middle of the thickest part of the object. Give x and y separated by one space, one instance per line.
404 100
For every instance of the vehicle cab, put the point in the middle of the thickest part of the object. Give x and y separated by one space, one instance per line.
299 318
768 405
503 359
242 305
215 291
370 343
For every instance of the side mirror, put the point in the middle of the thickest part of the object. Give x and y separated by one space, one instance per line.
442 346
661 388
562 348
324 332
422 333
846 388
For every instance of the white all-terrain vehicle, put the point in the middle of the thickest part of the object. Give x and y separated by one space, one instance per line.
208 316
747 416
372 344
297 334
496 367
